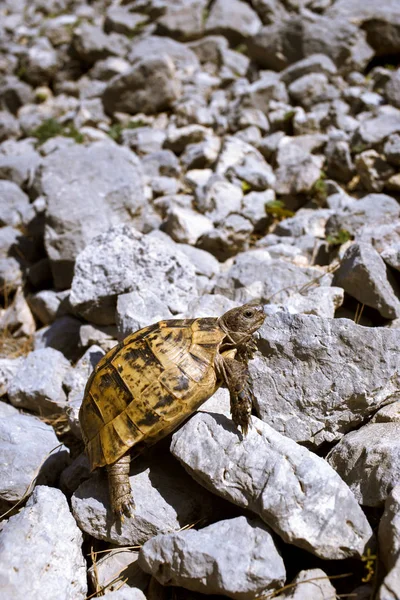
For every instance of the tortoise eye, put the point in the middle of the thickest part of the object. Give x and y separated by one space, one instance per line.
248 314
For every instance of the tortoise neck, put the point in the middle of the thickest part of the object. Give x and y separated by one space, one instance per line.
236 338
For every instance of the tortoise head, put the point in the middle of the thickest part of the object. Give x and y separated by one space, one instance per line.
240 323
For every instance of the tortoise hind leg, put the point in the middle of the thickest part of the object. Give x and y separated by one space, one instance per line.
119 487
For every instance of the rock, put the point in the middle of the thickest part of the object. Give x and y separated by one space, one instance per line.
312 584
74 474
254 208
163 270
139 309
368 461
372 210
39 386
17 318
218 198
228 239
389 544
38 556
62 335
45 305
373 170
254 274
306 221
339 162
143 140
185 225
29 449
241 160
376 129
183 19
392 149
311 89
121 20
105 337
208 305
236 21
14 93
115 565
298 170
387 414
166 500
8 369
201 155
9 126
316 63
258 94
204 262
321 302
257 472
211 562
125 593
364 275
91 44
307 369
101 187
150 86
391 256
18 162
15 208
40 63
184 59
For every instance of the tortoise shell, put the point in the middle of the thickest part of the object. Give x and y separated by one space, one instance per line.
144 387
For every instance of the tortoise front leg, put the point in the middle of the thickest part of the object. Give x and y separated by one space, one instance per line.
237 379
119 487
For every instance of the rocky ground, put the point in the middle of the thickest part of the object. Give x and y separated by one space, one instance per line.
162 159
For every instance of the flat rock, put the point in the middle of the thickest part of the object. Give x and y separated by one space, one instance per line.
39 385
377 129
150 86
87 189
41 550
166 499
368 461
153 46
211 561
364 275
317 378
235 21
104 270
294 491
26 445
116 565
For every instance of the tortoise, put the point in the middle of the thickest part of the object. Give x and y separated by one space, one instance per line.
147 385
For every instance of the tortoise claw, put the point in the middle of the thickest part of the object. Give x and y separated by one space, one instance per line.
124 506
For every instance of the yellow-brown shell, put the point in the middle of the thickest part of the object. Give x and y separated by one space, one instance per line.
143 388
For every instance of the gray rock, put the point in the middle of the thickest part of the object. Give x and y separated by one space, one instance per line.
40 62
8 369
392 149
40 550
391 256
105 337
254 274
307 370
389 546
59 30
17 318
237 157
321 302
104 70
180 137
257 472
211 562
186 226
376 129
218 198
62 335
29 449
18 162
166 499
143 140
121 20
91 43
15 208
235 21
312 584
368 461
45 305
208 305
183 19
269 87
389 413
150 86
161 163
364 275
125 593
201 155
254 207
104 270
14 93
298 170
311 89
204 262
101 187
139 309
339 164
74 474
316 63
373 170
306 221
372 210
116 565
9 126
228 239
39 386
184 59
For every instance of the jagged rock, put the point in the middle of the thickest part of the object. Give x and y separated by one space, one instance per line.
139 309
17 318
211 562
87 189
40 550
218 198
312 584
116 564
143 140
40 63
257 472
15 208
389 545
91 43
62 335
121 20
185 225
45 305
8 369
316 63
39 386
298 170
166 500
183 19
339 162
364 275
254 274
392 149
311 89
29 448
306 221
241 160
9 126
18 161
149 86
227 239
307 370
184 59
373 170
368 461
158 268
321 302
377 129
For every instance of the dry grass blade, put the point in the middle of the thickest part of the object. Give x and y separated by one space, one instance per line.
116 550
359 312
31 484
291 585
11 347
